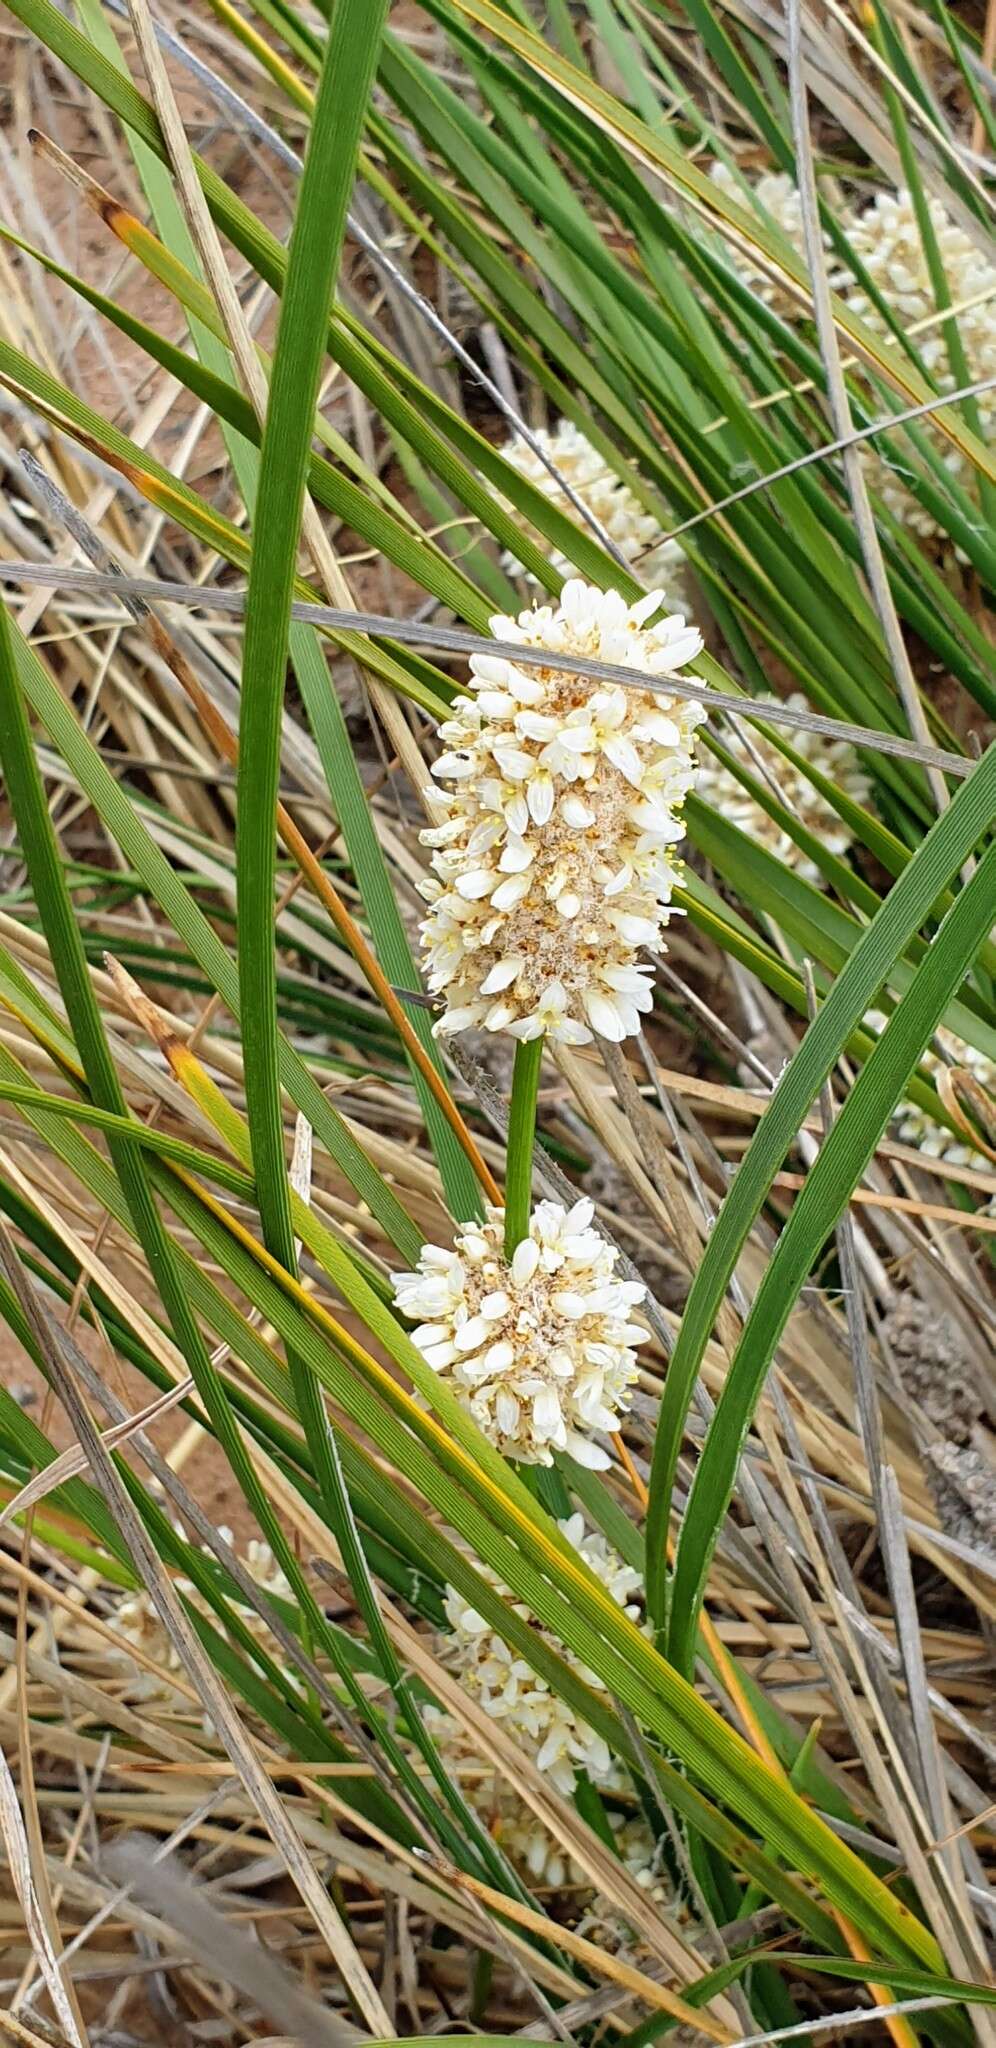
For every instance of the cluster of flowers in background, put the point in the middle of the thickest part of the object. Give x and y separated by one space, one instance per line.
546 1727
835 759
634 531
137 1622
525 1840
539 1349
776 192
885 235
555 865
560 1743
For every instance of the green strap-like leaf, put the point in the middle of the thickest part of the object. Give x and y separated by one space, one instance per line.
829 1185
934 865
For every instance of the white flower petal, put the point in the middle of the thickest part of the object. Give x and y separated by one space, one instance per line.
479 882
496 1305
604 1017
516 856
501 976
525 1260
510 892
539 797
471 1334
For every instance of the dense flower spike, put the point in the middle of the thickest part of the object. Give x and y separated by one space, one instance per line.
887 239
555 865
635 531
532 1848
508 1689
835 759
540 1350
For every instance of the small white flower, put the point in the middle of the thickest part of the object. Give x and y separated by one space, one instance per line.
634 531
507 1688
556 862
719 788
539 1350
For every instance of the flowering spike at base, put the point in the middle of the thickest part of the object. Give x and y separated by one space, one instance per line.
499 1678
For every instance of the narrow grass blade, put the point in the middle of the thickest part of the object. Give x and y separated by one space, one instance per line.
937 861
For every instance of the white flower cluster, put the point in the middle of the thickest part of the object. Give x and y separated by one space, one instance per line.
616 507
531 1847
540 1349
886 237
508 1689
719 787
915 1127
528 1844
555 865
639 1850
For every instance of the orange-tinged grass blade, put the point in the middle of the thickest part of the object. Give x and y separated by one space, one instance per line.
186 509
900 2029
